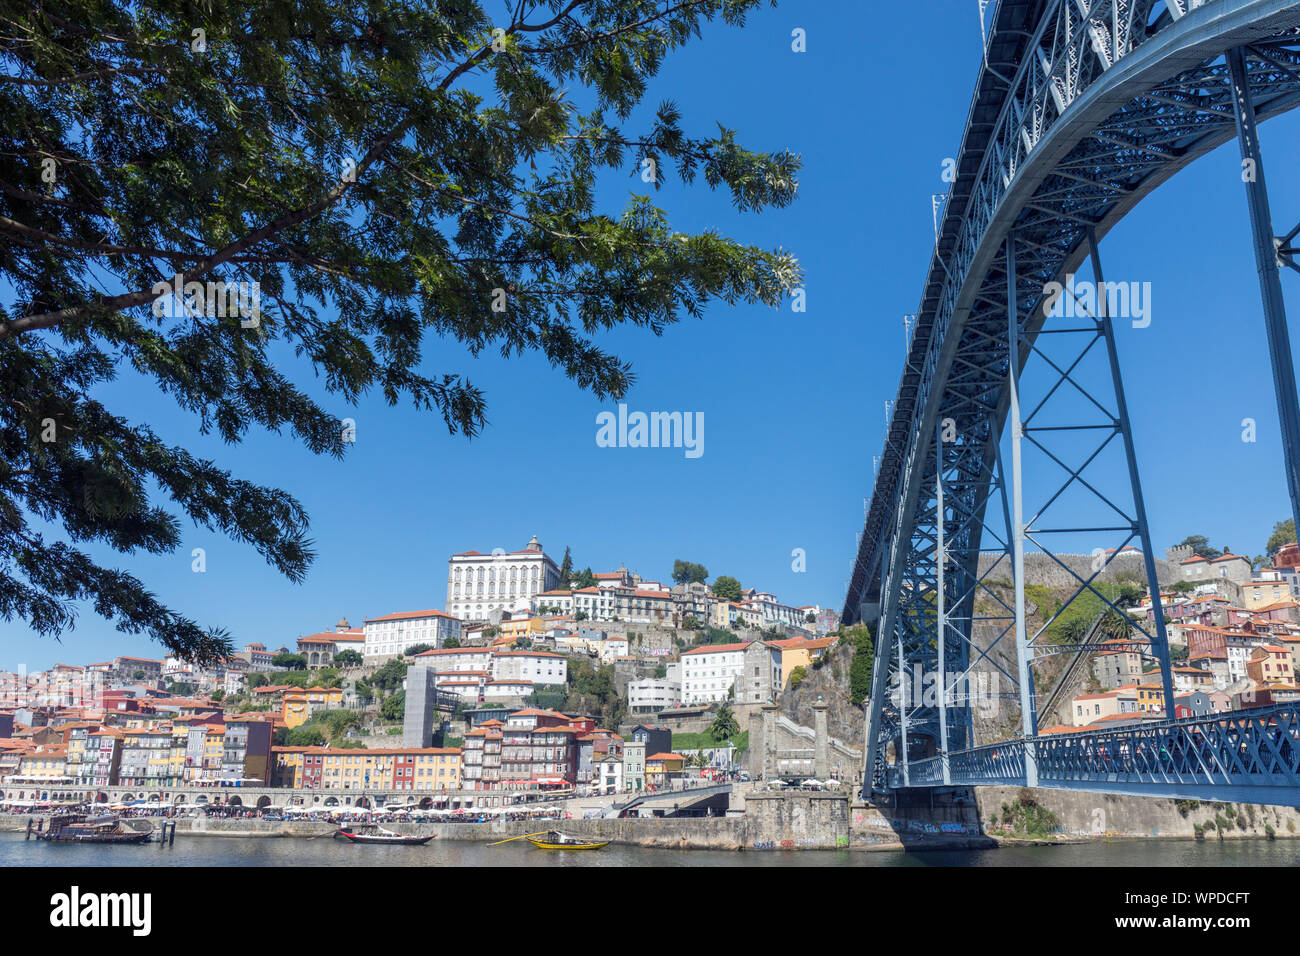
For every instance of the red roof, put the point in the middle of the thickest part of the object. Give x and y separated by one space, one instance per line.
409 615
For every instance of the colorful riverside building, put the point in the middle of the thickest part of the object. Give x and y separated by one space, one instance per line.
420 769
298 706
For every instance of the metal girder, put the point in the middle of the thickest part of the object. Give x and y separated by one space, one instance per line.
1252 756
1091 106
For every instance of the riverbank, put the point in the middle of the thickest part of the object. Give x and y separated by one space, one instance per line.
825 821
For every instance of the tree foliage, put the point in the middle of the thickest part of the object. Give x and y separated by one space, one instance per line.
861 639
390 675
293 662
394 706
566 571
1283 533
687 572
390 175
1200 546
724 725
727 588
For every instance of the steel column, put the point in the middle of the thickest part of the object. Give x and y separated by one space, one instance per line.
1270 281
941 601
1028 719
1139 504
879 678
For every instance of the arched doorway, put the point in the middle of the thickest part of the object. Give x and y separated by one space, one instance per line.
363 803
263 802
234 802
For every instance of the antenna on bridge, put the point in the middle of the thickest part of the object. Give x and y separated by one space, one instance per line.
889 407
937 201
907 328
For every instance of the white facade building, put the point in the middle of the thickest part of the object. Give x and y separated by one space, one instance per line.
390 635
773 613
652 694
539 667
709 673
478 584
463 659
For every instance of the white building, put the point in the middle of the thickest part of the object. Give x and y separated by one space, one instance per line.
611 648
772 613
478 584
462 659
507 688
709 673
539 667
390 635
652 694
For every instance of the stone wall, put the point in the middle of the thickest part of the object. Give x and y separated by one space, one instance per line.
1042 569
1107 815
783 821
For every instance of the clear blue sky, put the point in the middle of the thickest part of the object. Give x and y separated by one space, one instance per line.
793 404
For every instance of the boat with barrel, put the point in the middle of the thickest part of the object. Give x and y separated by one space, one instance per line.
83 828
555 840
374 833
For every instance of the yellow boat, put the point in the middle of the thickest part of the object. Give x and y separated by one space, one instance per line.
555 840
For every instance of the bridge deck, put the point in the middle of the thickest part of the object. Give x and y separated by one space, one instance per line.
1246 756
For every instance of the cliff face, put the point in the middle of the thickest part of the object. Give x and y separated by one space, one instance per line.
997 711
831 682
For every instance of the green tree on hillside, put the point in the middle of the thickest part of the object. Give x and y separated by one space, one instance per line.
394 706
566 571
1200 546
390 675
861 639
724 725
1283 533
399 179
687 572
727 588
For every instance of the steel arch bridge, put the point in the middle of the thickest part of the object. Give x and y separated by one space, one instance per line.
1081 109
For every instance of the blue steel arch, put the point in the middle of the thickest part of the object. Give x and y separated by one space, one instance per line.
1082 108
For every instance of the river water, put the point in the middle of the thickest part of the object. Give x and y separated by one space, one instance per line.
324 851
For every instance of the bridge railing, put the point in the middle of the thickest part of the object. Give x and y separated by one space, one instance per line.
1253 748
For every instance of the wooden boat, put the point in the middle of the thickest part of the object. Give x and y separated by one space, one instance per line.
79 828
374 833
555 840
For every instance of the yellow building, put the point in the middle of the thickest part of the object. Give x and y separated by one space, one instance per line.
47 766
298 706
660 768
511 631
287 763
429 769
1256 595
436 768
801 652
356 769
